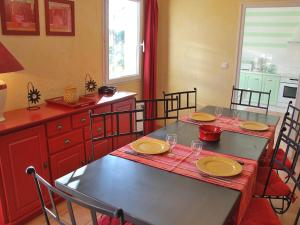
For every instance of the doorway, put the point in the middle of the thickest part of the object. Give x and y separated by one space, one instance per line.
269 52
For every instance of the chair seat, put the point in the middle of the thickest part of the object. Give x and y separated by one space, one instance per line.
259 212
107 220
265 160
276 187
279 157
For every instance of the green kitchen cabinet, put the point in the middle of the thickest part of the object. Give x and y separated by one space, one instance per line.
243 78
270 83
254 83
260 82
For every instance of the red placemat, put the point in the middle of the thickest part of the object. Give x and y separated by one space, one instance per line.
182 162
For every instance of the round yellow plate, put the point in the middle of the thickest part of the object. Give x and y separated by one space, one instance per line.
255 126
219 166
149 146
203 117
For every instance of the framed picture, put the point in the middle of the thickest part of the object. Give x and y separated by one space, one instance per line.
20 17
60 17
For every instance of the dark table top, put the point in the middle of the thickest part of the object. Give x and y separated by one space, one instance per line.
230 143
149 195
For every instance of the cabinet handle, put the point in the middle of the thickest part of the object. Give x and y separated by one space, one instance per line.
256 79
45 165
67 141
99 130
59 127
83 120
269 80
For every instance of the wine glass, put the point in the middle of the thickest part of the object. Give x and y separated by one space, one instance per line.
235 115
196 146
218 112
171 139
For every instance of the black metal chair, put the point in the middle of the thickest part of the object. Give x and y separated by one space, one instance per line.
117 130
186 99
159 109
250 98
48 213
260 211
269 184
288 116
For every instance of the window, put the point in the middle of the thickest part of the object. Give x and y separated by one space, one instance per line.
123 40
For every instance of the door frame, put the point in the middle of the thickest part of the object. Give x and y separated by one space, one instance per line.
244 6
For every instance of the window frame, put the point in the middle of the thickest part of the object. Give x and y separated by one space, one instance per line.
106 46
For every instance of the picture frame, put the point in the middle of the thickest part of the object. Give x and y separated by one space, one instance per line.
60 18
19 17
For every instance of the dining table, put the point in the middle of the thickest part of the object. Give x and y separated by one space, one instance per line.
158 193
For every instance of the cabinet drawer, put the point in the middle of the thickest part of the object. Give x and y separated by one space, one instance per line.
98 129
80 120
64 141
102 109
59 126
66 161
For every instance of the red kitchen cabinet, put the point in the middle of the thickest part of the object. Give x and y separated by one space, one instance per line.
101 149
66 161
56 141
125 123
18 151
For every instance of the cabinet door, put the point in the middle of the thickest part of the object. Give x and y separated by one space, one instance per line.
66 161
242 82
102 148
18 151
254 83
271 83
125 123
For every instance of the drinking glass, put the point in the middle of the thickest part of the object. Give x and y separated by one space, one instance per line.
235 115
218 112
196 146
171 139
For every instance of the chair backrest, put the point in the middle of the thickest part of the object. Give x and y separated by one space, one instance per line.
250 98
48 213
289 137
186 99
118 117
159 109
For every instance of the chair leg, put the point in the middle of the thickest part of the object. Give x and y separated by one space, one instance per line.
285 204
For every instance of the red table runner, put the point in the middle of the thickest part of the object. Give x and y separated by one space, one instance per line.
182 161
232 125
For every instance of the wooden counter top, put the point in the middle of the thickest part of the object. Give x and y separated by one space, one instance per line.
22 118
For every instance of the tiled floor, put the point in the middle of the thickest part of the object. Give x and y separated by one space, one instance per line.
83 216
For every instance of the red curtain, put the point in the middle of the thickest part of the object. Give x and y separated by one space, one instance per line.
150 57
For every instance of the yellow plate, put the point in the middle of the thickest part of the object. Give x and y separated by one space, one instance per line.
203 117
150 146
255 126
219 166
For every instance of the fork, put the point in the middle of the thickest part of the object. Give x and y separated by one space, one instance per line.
216 178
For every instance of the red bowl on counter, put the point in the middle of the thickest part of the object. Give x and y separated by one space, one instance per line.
209 132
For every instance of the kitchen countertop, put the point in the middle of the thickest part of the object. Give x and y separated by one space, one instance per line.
272 74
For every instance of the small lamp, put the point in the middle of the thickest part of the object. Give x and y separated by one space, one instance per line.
8 63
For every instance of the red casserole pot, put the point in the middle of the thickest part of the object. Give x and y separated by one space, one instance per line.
209 132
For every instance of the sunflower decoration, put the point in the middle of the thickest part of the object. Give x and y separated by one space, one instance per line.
90 84
33 96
